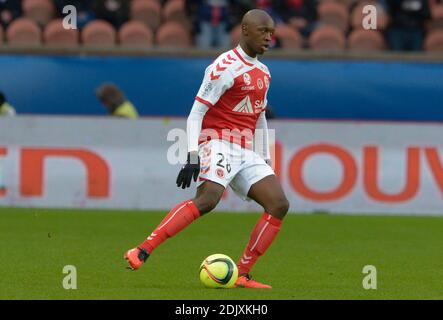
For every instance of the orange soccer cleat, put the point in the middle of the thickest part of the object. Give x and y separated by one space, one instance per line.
136 257
245 281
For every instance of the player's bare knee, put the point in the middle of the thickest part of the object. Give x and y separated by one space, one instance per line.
206 203
278 209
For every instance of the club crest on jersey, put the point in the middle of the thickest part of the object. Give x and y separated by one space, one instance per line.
260 83
247 78
220 173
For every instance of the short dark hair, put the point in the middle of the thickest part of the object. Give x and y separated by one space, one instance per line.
110 91
110 95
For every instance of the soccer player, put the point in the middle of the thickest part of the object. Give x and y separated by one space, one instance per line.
228 108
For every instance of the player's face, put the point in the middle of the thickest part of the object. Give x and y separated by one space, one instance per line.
260 35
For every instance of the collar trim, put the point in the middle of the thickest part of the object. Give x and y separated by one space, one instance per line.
243 56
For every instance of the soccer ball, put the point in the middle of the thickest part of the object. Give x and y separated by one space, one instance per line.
218 271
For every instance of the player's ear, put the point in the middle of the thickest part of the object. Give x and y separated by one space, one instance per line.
244 29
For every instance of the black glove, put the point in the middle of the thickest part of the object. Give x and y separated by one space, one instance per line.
189 170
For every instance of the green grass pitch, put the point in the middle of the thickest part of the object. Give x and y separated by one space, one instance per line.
314 256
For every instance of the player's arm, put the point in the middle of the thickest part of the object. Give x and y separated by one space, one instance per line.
193 128
263 140
194 125
213 86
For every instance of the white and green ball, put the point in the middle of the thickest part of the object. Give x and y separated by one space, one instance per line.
218 271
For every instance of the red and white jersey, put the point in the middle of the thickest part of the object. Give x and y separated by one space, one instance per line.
234 88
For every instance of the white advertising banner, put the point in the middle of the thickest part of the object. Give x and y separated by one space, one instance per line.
339 167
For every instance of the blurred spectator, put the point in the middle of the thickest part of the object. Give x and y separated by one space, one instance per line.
115 12
9 10
407 28
296 12
5 108
85 13
238 8
211 22
115 101
272 8
300 14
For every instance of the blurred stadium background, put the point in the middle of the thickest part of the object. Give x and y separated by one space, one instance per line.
358 118
314 24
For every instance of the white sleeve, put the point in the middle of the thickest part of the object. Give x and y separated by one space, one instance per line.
262 140
194 124
218 78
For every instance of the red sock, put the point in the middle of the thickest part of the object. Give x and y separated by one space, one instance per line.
175 221
262 236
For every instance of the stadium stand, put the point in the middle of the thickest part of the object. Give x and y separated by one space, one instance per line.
345 16
135 33
334 13
235 35
347 3
147 11
437 17
288 37
24 31
434 41
56 35
366 40
116 12
172 34
1 35
174 11
327 38
41 11
99 33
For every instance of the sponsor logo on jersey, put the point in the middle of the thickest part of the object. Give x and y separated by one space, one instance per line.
244 106
266 81
247 88
260 83
247 78
258 105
